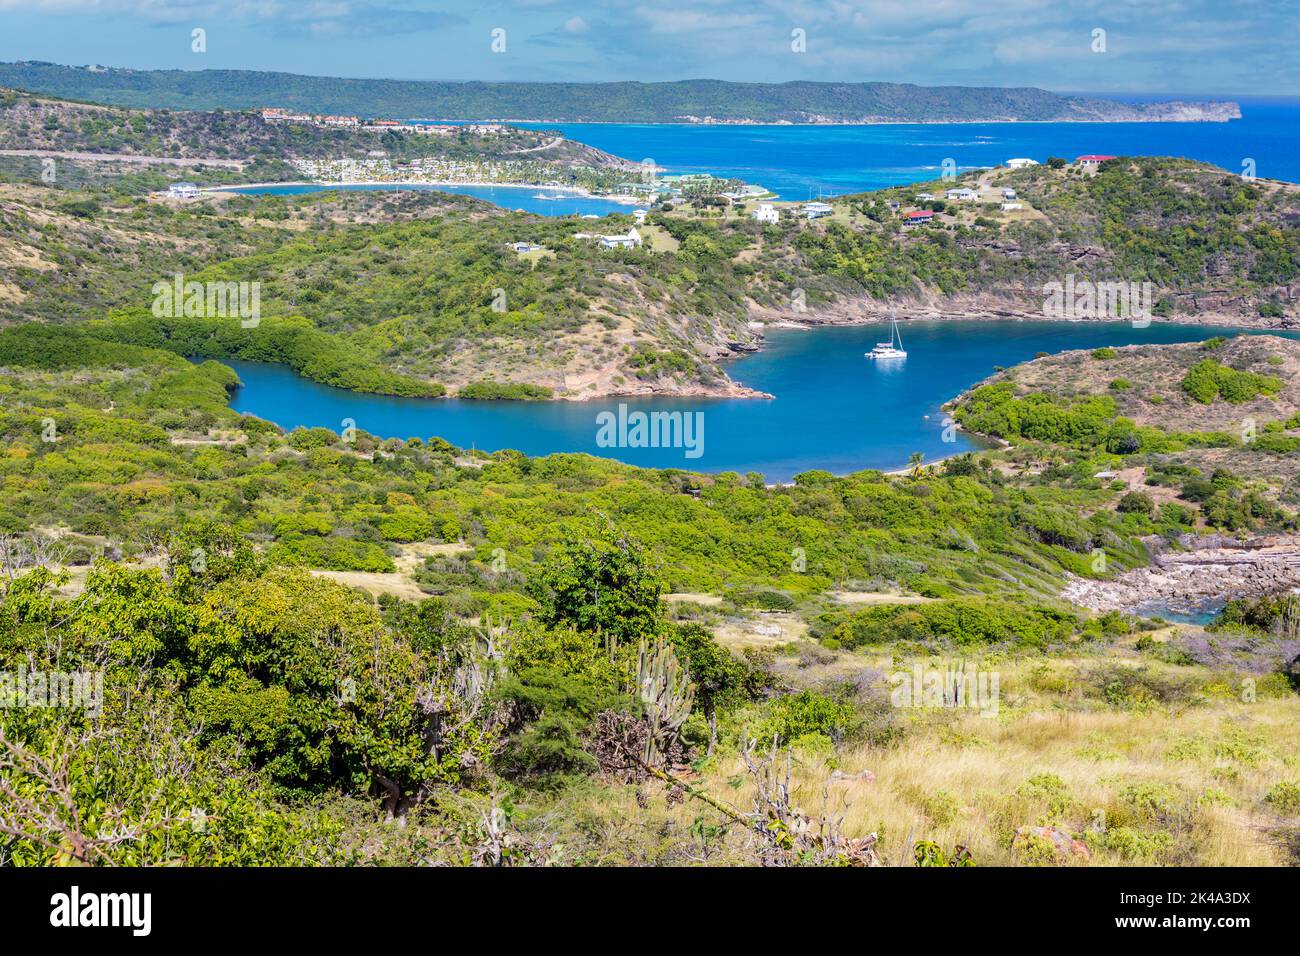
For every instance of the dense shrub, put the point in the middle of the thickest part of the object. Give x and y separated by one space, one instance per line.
961 621
1207 380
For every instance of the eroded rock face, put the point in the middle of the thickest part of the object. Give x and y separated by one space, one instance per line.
1210 568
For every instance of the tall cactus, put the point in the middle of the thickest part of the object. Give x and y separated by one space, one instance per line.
667 693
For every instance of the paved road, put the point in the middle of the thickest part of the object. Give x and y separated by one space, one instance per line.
536 149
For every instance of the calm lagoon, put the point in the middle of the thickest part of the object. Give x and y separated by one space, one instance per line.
557 202
833 409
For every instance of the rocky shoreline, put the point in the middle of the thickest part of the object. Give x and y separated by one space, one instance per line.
1197 571
864 311
1212 309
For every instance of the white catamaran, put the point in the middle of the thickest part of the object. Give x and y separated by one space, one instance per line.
887 350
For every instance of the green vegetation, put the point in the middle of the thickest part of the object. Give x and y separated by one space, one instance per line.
434 293
505 390
1067 416
298 711
1207 380
31 122
736 533
324 648
567 102
963 621
1271 614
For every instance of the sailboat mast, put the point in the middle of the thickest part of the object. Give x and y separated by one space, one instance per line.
898 334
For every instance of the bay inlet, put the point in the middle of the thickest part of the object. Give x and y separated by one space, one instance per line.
832 409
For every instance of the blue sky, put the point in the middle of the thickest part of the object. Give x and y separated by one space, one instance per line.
1237 47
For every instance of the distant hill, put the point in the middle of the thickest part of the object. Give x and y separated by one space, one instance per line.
686 101
36 122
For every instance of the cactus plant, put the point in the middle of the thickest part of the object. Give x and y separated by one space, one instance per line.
666 692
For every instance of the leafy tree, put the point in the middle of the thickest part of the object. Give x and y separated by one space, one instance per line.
720 678
601 584
1135 502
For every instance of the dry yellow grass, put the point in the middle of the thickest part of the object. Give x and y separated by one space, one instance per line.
1215 762
873 597
1179 786
984 762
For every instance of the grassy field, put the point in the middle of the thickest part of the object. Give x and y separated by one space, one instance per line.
1205 780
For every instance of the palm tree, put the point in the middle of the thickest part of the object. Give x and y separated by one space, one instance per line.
914 462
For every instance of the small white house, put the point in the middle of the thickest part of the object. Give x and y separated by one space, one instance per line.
522 247
639 215
815 210
962 194
629 241
1021 163
1008 193
925 197
1011 206
183 191
766 212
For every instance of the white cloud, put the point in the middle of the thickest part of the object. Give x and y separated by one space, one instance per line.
682 21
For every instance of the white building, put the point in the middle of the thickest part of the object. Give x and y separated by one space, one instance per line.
1093 160
1021 163
766 212
629 241
961 194
183 191
1011 206
639 215
815 210
522 247
1008 194
924 197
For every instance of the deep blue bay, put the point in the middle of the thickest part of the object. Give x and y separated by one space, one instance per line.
802 161
560 202
832 410
799 161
